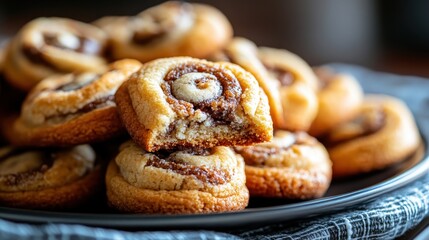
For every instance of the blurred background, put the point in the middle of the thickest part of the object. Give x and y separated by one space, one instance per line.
385 35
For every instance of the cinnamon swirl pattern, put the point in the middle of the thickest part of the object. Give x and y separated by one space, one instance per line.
189 181
48 179
71 109
48 46
287 80
187 102
292 165
296 84
170 29
339 97
382 134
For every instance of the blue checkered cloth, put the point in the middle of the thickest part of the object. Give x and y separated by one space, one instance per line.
388 217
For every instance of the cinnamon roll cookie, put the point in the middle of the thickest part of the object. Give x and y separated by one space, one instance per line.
292 165
287 80
71 109
170 29
189 181
382 134
48 179
48 46
187 102
340 97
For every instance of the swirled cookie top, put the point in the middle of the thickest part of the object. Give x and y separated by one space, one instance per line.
199 86
47 34
63 97
30 170
371 119
184 88
293 150
175 170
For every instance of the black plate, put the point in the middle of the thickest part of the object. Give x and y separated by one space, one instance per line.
341 194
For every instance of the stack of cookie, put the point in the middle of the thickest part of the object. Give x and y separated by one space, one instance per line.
207 114
182 114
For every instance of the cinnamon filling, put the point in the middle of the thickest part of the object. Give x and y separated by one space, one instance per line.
96 104
78 82
366 124
41 169
147 37
99 103
19 178
204 174
166 154
221 108
75 43
257 155
35 56
156 24
285 77
63 41
19 166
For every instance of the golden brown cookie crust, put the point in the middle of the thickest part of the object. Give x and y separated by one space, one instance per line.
70 182
293 166
167 30
62 111
159 121
339 100
291 184
49 46
96 126
139 187
385 134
